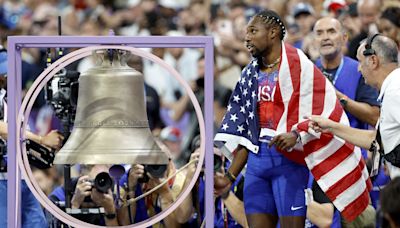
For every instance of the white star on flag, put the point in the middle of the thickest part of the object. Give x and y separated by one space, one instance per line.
240 129
248 72
248 103
242 110
243 81
225 126
234 117
236 98
250 83
249 133
245 92
253 94
251 115
254 63
229 107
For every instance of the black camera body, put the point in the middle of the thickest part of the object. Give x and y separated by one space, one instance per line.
196 144
62 93
156 171
38 155
102 183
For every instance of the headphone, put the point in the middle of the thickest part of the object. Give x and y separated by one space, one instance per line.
368 47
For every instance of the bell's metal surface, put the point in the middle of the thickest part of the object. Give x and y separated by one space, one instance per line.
111 124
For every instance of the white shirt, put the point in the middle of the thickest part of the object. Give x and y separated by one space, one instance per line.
389 119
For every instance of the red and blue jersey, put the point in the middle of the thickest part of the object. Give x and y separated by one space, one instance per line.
265 98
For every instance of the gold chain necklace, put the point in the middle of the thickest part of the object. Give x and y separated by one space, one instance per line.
272 64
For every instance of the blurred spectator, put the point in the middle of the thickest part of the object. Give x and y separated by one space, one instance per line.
171 137
390 206
389 23
368 13
303 14
152 98
350 20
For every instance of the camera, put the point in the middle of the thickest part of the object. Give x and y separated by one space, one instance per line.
62 93
102 183
38 155
217 159
156 171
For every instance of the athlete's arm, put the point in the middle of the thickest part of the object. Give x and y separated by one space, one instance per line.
239 160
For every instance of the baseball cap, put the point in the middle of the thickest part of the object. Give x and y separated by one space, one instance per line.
3 62
334 5
170 134
302 8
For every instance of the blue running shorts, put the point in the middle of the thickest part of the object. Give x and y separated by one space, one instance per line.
274 184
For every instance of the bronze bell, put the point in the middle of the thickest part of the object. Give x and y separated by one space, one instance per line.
111 125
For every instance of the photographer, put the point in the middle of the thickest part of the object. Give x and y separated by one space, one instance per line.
159 200
229 208
86 195
138 181
32 214
135 212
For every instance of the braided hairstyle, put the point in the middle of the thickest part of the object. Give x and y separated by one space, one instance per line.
271 18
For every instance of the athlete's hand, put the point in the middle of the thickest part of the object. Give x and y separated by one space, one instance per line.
221 184
284 141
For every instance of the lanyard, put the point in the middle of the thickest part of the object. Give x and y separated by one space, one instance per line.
224 214
338 72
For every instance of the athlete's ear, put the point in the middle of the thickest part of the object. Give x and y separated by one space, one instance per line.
273 32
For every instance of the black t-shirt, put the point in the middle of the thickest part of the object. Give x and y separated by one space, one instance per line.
355 43
330 73
318 194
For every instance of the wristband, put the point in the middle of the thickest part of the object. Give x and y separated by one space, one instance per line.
344 100
110 216
230 176
297 135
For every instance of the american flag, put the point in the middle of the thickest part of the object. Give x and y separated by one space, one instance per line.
301 91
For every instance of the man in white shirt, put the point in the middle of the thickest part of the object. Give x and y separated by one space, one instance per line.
378 63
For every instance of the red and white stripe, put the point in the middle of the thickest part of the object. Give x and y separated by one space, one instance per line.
337 166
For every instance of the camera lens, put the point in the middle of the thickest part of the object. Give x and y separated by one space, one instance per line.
103 182
156 171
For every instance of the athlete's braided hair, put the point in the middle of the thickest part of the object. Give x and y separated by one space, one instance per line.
271 18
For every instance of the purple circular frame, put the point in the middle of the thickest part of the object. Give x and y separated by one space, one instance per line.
33 92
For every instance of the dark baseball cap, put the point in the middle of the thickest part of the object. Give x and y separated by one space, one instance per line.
302 8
